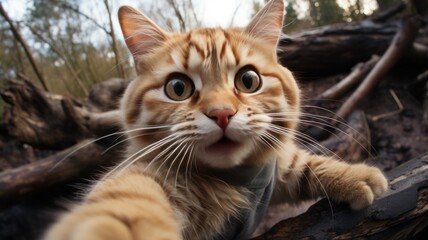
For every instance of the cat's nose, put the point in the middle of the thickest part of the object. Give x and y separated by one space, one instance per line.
221 116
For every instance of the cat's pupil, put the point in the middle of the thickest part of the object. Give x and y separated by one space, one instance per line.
178 86
247 80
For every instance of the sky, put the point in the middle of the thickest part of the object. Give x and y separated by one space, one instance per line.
211 12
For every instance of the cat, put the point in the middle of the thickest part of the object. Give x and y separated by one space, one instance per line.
211 122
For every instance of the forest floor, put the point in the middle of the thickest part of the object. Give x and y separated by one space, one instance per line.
394 139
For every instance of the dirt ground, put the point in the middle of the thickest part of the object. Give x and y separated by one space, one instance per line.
394 140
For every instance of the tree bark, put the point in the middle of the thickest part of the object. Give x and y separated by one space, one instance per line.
354 78
87 156
116 51
400 213
337 48
32 113
425 104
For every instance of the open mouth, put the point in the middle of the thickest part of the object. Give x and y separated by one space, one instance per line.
224 145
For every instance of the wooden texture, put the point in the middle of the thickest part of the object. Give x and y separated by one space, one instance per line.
400 45
31 113
87 156
353 79
401 213
337 48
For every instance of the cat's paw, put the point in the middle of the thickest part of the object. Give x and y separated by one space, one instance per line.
364 185
93 228
109 227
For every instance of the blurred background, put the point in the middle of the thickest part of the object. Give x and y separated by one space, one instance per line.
76 43
74 53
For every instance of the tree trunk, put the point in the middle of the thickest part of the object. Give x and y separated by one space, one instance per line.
32 113
116 51
24 45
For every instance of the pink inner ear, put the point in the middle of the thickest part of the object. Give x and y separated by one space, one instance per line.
141 34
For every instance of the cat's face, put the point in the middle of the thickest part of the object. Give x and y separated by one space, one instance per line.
211 94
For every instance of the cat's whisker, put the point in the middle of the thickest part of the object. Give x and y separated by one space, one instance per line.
327 121
146 150
169 153
179 146
162 153
312 123
302 138
321 120
95 140
129 138
192 164
280 145
188 147
291 133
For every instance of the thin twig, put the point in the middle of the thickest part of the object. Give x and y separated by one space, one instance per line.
356 76
392 113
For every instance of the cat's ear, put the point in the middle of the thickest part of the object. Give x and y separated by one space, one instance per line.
267 24
141 34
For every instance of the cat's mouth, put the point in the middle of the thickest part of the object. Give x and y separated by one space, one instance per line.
223 146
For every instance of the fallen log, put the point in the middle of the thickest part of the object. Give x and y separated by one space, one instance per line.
51 121
337 48
401 213
36 117
80 160
425 106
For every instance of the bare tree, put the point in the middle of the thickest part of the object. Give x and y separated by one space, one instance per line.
114 41
25 46
174 15
68 65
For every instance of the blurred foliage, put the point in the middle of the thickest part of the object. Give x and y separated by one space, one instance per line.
325 12
59 33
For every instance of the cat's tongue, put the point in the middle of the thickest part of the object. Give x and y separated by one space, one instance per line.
224 145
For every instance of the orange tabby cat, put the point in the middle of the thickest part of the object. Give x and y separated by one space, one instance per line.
210 121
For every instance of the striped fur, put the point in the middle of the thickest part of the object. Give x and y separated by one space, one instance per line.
162 189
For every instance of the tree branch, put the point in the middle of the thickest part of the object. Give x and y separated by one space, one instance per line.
24 45
61 55
64 166
354 78
400 45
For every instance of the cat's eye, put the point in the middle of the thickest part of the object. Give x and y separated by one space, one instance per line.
179 87
247 80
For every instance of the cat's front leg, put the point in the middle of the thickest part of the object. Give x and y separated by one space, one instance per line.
130 206
305 176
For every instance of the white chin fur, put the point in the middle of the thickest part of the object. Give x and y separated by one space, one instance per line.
224 160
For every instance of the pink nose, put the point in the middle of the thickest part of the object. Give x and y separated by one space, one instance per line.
221 116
